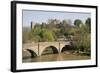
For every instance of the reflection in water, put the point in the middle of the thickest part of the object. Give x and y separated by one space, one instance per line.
56 57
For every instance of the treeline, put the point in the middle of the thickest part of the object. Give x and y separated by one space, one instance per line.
55 29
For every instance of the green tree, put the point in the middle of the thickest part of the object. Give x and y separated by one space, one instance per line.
27 36
77 22
47 35
88 24
82 39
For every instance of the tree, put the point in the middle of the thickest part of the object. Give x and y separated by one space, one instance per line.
82 39
27 36
71 31
47 35
88 24
88 21
77 22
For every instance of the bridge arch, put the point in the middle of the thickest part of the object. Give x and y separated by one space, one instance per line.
49 50
33 54
66 48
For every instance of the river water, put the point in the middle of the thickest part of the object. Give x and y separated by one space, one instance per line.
56 57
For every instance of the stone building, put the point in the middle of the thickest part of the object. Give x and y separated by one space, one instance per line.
32 25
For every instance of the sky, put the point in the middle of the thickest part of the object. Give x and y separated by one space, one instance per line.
43 16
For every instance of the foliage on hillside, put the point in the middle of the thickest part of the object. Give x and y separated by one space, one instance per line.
55 29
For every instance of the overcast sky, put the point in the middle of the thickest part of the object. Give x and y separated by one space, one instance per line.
43 16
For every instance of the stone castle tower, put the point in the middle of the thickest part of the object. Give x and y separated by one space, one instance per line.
32 25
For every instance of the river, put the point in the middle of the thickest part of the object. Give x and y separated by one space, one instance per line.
56 57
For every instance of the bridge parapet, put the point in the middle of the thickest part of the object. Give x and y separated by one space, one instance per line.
26 45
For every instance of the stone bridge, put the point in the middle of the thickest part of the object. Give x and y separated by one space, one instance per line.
39 47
